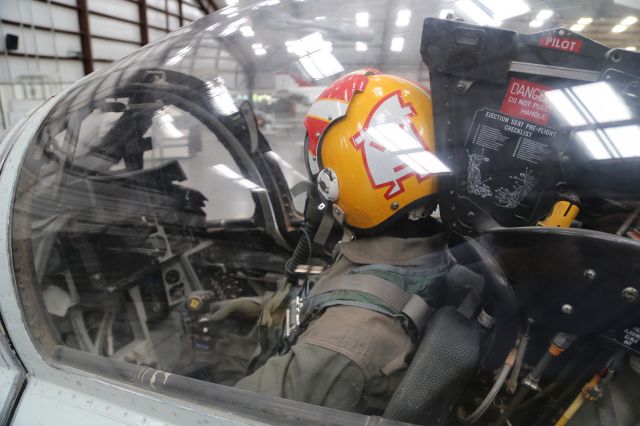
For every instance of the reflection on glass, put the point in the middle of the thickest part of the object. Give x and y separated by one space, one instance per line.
178 57
233 27
315 56
390 139
589 104
165 126
220 97
226 172
612 142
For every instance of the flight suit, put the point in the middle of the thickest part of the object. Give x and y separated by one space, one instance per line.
351 357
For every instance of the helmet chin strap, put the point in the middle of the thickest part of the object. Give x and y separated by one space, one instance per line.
326 225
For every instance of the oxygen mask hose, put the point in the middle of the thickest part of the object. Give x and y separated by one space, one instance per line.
302 252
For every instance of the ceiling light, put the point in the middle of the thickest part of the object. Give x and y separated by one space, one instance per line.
231 2
362 19
260 52
256 46
446 13
404 16
585 21
576 28
247 31
321 18
544 14
361 46
629 20
619 28
397 44
536 23
632 48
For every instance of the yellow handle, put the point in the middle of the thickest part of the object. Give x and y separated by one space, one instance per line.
562 214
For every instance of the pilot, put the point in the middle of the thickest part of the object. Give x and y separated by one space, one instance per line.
348 341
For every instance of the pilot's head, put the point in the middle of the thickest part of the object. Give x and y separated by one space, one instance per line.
371 149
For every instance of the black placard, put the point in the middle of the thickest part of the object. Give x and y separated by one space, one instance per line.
508 165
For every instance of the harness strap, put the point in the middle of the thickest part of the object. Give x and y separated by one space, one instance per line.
411 305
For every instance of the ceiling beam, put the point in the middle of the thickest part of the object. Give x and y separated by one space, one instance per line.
144 25
85 36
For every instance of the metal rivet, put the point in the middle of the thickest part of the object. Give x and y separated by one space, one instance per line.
471 214
460 87
567 309
395 206
630 294
589 274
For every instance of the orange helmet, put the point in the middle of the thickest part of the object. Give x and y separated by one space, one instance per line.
371 148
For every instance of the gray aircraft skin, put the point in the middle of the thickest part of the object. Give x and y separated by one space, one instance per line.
164 145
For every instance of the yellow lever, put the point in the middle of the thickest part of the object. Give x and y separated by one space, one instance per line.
562 215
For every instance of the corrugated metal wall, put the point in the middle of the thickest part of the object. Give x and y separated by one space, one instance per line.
59 41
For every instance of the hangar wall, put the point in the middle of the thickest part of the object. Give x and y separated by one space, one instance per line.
60 41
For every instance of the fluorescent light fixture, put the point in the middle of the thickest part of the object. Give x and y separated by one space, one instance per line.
544 14
619 28
631 48
397 44
361 46
536 23
247 31
255 46
231 2
445 13
260 52
629 20
321 18
404 16
362 19
585 21
576 28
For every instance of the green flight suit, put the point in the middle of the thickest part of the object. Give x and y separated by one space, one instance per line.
349 357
